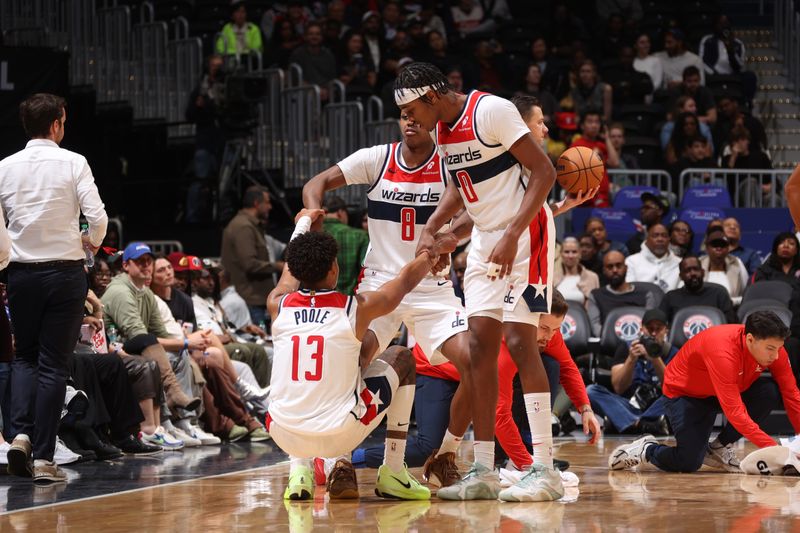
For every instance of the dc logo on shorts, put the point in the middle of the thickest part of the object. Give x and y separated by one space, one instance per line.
508 298
627 327
458 321
568 327
695 324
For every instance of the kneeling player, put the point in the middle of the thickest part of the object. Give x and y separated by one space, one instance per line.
719 369
322 402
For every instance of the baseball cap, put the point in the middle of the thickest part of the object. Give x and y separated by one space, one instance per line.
658 199
566 120
182 263
369 14
655 314
135 250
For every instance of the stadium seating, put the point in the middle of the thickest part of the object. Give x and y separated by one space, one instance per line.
691 320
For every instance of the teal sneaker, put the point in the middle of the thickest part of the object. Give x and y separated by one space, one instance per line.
401 486
539 484
480 483
301 484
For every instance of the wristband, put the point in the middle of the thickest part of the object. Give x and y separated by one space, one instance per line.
302 226
186 344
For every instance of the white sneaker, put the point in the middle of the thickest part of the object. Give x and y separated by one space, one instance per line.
179 434
163 439
539 484
63 455
629 456
206 439
723 457
480 483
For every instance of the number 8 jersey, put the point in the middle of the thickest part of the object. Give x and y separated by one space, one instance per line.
400 200
315 371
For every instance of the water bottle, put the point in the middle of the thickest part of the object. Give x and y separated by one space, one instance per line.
89 262
112 336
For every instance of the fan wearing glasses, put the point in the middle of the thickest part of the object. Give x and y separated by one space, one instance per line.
721 267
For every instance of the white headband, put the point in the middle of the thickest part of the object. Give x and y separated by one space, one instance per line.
404 96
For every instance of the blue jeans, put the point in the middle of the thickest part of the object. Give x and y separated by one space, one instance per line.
5 396
692 420
258 314
618 409
432 400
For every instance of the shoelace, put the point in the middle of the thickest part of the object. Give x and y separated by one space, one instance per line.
534 473
729 456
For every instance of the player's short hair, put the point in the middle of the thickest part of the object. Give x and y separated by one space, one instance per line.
310 256
559 305
766 325
419 74
525 104
38 112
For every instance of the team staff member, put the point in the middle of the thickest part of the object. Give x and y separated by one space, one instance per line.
719 369
43 190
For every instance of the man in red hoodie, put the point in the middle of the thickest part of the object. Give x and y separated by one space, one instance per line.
719 369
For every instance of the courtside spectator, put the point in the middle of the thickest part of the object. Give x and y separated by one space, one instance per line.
783 263
655 263
238 36
681 238
353 243
572 279
653 210
636 404
750 257
696 291
245 255
675 58
617 293
235 308
723 268
597 228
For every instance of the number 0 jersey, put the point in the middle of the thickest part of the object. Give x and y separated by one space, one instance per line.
400 200
476 151
315 370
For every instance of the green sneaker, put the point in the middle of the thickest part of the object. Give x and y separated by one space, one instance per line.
259 434
237 433
400 486
480 483
301 484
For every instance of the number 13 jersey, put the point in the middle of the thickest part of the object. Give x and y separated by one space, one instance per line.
476 152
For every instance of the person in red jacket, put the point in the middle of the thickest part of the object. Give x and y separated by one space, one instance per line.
720 369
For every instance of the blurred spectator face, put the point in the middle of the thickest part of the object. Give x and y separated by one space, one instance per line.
286 30
787 249
239 16
204 285
140 270
732 229
163 273
534 76
416 30
336 10
295 11
314 35
680 234
101 277
691 83
614 268
626 57
401 43
372 25
263 207
728 107
536 124
355 44
615 24
391 14
690 127
587 75
717 245
484 50
650 213
539 49
436 42
643 46
691 273
697 150
456 80
598 230
657 239
671 44
590 127
459 267
570 253
616 136
214 65
656 329
333 28
689 106
112 237
588 248
182 281
465 5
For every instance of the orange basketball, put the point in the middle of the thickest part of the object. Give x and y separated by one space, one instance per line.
579 169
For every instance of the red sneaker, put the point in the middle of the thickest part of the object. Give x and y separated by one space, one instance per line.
319 471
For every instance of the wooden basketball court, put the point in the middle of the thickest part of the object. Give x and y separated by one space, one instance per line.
251 499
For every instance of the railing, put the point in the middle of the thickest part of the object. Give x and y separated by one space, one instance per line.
749 188
787 34
302 118
185 58
660 179
113 81
269 133
150 68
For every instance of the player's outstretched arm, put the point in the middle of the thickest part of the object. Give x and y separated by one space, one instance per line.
315 189
793 195
571 202
450 204
374 304
543 175
288 283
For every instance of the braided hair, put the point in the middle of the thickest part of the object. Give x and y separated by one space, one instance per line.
418 74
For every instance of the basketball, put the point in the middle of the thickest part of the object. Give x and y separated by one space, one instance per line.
579 169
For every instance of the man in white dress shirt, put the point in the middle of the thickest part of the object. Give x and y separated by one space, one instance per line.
43 190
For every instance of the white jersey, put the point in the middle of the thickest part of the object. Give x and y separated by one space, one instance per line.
315 371
400 201
476 151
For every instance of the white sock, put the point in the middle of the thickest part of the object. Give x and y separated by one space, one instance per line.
484 453
184 424
296 462
397 416
450 443
537 405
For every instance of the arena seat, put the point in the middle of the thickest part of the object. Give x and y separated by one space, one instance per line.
691 320
576 329
760 304
703 196
784 314
630 197
622 324
652 288
770 290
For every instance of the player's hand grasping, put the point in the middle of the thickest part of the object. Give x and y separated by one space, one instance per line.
446 243
501 260
591 426
316 216
426 243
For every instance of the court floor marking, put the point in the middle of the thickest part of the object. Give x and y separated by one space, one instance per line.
140 489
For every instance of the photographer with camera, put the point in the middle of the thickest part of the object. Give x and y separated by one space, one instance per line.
637 373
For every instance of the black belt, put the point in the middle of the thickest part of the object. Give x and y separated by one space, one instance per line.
47 265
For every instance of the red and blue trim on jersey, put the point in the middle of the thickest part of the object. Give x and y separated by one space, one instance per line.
320 298
534 294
